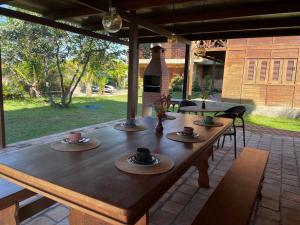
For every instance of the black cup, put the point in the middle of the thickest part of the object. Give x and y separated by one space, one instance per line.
143 155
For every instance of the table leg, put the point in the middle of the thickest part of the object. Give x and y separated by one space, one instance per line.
202 165
8 216
77 217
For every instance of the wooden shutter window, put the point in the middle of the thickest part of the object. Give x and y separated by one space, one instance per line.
290 70
251 70
276 70
263 70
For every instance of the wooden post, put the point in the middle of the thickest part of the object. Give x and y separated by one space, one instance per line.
212 87
191 71
186 71
2 122
133 67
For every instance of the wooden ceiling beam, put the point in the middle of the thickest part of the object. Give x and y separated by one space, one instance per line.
131 17
228 26
57 25
227 12
139 4
70 13
231 35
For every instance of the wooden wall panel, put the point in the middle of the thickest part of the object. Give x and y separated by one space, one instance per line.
258 53
268 92
285 53
280 95
287 40
260 41
254 94
297 97
297 78
232 81
236 42
235 54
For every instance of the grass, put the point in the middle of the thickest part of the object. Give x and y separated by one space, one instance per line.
274 122
30 118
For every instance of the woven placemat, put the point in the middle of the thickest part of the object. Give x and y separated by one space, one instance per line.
165 165
187 139
59 146
202 123
122 127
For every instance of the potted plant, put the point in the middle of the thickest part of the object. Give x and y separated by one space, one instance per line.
205 89
161 107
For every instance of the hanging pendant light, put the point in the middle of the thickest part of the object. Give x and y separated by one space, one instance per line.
111 20
172 39
200 49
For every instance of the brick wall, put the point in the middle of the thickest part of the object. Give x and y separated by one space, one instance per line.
263 71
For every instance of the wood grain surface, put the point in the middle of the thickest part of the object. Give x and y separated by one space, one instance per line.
233 201
89 181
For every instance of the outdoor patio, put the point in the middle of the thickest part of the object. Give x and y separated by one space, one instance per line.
179 206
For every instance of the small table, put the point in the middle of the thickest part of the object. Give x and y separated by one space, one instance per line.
208 108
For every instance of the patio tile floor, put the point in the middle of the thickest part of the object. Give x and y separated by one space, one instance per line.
281 188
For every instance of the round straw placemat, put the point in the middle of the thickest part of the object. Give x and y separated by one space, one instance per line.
202 123
65 147
122 127
183 138
163 166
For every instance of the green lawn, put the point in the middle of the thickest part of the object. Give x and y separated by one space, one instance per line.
30 118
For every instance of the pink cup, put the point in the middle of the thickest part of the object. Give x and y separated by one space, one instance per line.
74 137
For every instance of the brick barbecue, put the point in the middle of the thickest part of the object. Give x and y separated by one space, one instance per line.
156 80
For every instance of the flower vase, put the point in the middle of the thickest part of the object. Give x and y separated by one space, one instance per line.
203 104
159 127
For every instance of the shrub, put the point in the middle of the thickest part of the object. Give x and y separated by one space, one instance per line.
196 85
177 83
13 91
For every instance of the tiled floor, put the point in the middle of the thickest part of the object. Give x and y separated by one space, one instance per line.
281 192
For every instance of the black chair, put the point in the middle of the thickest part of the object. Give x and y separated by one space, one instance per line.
234 113
186 103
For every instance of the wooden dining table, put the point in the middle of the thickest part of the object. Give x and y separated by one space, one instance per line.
95 190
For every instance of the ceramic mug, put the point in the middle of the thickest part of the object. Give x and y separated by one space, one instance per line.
208 119
188 131
74 136
143 154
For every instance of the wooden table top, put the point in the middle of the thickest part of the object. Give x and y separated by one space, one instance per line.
176 100
90 182
198 108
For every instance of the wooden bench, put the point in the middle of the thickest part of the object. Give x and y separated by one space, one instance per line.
11 212
234 199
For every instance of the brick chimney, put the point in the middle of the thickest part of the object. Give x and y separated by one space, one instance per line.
156 80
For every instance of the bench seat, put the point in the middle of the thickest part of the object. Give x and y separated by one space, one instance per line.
234 199
11 213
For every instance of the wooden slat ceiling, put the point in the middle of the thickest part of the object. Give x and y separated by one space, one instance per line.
191 19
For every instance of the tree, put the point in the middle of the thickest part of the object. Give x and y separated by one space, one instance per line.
118 72
41 57
25 53
101 82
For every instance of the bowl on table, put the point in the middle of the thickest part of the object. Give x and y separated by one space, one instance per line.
209 120
143 156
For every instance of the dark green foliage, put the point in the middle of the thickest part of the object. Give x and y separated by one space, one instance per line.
13 91
196 84
177 83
